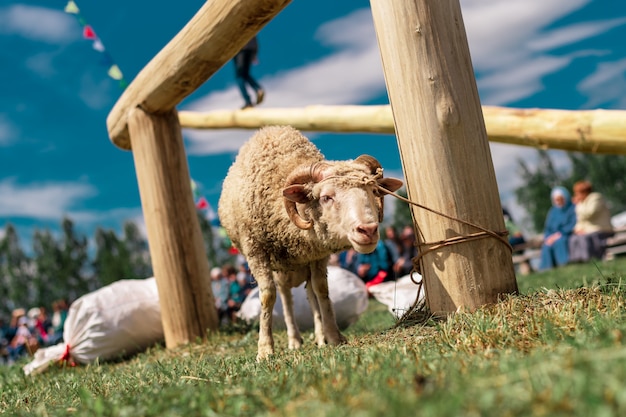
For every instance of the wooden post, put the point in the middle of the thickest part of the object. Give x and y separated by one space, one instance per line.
176 246
444 150
210 39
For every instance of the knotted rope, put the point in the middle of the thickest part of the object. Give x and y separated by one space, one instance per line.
427 247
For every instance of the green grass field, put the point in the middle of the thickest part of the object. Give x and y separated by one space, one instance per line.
557 349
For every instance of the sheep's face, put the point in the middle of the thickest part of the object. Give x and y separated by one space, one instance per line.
347 213
344 206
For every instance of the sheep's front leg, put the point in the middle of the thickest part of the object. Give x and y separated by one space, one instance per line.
319 282
284 289
267 295
317 317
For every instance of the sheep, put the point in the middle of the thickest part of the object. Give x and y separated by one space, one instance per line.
287 209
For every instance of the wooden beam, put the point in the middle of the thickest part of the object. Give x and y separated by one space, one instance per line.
592 131
444 151
210 39
180 266
369 119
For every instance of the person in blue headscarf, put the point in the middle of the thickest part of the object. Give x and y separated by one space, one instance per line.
560 223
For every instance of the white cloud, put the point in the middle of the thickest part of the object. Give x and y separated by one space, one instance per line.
352 74
42 64
507 39
38 24
43 200
8 132
353 30
510 43
95 91
573 33
606 85
499 31
513 47
519 81
52 201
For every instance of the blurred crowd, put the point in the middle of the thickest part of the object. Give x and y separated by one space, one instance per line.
576 228
230 286
29 330
392 258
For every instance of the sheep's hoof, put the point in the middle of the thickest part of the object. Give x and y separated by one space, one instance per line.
295 343
338 340
262 356
264 352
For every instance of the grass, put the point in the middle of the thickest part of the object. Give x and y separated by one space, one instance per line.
557 349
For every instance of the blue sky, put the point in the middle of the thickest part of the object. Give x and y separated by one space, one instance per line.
56 158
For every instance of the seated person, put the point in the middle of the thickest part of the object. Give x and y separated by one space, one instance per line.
373 268
408 251
23 342
559 226
593 224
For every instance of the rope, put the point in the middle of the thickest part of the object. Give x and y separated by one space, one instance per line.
427 247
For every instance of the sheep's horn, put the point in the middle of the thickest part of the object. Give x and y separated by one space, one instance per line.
302 175
369 161
295 217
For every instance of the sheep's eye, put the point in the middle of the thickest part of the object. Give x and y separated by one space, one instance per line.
326 199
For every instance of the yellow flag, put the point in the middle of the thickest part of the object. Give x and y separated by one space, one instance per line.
71 7
115 72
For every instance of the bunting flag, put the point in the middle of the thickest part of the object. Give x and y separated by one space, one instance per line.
203 204
89 34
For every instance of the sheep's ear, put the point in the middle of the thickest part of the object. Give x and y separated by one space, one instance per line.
391 184
296 193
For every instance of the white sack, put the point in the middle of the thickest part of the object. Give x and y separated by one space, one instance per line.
346 291
399 295
120 319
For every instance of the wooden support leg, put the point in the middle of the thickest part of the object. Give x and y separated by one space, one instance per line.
180 266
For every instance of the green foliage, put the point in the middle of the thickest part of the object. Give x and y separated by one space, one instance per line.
64 266
547 352
121 258
60 265
15 274
208 238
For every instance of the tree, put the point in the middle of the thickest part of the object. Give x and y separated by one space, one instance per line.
15 273
61 266
75 260
126 258
137 247
111 261
46 258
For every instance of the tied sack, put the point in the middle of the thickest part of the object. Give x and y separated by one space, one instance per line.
117 320
346 291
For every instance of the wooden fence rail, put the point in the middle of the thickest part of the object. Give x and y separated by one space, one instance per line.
592 131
